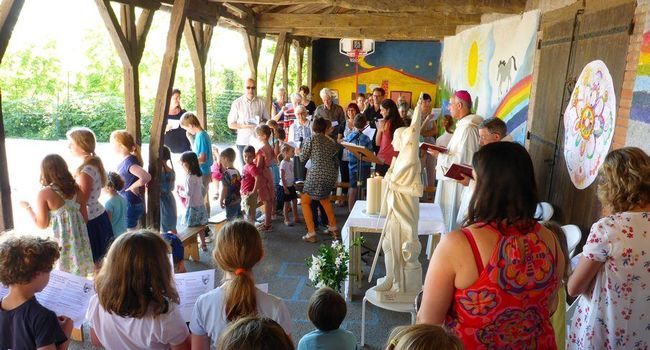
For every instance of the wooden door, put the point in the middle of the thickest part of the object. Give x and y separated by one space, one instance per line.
568 45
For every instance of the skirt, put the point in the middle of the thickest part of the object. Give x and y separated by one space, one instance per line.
168 215
195 216
100 234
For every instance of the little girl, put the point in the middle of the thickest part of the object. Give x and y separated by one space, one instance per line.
215 171
274 141
203 149
135 177
58 205
265 188
192 191
238 248
116 204
136 305
286 190
168 215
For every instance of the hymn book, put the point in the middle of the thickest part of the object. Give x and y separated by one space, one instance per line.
455 171
427 146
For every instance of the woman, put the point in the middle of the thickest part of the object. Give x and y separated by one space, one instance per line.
477 283
321 177
280 105
614 261
306 99
385 129
175 137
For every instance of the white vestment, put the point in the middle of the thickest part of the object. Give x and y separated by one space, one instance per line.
462 146
464 202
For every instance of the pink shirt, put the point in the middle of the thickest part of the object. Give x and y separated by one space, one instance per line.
386 151
248 178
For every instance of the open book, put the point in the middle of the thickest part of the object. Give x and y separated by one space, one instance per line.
455 171
427 146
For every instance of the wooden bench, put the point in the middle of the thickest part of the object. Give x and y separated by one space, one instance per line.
190 242
217 221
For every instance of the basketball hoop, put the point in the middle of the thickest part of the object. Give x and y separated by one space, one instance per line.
356 48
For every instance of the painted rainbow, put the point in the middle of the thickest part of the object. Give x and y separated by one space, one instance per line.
516 100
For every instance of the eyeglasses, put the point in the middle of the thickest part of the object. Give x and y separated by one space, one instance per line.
251 87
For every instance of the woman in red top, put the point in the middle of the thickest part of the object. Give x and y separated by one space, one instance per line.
385 129
494 282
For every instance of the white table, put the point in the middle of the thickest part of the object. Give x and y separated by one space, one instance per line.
397 307
358 221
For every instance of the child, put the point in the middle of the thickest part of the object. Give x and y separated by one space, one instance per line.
237 249
558 319
286 191
263 161
203 149
168 213
135 177
248 189
358 172
275 169
58 205
136 305
215 171
192 191
91 178
25 265
327 310
116 204
422 337
230 185
259 333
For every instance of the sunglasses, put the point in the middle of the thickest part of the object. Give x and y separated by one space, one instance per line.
251 87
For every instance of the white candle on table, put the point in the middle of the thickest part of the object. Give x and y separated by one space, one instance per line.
374 195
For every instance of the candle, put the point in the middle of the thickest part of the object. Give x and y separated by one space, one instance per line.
374 195
384 205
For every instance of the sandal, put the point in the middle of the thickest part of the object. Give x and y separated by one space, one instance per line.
204 247
310 238
331 232
288 223
264 228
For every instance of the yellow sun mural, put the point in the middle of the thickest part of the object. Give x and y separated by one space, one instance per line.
472 64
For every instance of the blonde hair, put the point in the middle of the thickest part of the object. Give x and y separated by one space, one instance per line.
84 138
189 118
422 337
253 333
238 248
136 276
123 138
625 179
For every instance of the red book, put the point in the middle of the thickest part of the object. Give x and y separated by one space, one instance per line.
426 146
455 170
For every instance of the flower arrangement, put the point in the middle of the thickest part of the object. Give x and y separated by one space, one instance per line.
329 267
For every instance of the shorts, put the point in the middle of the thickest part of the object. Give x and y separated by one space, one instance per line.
286 197
249 204
362 173
133 214
233 211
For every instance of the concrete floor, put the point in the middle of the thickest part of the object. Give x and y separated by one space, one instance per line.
284 269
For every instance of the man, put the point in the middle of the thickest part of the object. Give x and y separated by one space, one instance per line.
429 133
462 146
372 112
489 131
332 112
246 113
361 102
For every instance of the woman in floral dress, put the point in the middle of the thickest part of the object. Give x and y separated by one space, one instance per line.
613 274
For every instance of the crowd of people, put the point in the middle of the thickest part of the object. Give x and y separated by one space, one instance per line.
497 279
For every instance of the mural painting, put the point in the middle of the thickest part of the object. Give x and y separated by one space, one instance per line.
494 62
639 123
404 67
589 121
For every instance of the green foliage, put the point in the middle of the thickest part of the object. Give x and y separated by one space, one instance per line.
329 267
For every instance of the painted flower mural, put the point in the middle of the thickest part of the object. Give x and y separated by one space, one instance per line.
589 122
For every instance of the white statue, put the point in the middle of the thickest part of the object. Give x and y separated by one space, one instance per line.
399 238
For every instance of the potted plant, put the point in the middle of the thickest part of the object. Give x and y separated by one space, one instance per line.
329 267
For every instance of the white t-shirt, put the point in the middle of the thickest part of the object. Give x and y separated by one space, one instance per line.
193 191
117 332
209 316
95 208
287 166
245 111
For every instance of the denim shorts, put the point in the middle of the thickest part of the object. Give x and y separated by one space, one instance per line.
359 174
133 214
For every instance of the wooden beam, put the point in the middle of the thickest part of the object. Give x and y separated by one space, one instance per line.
310 66
144 4
241 9
361 20
253 46
114 30
163 95
432 32
459 6
300 54
279 52
285 66
198 37
142 29
9 11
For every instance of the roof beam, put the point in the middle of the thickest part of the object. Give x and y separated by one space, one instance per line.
366 20
459 6
383 33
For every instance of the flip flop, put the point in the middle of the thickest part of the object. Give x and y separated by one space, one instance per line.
310 238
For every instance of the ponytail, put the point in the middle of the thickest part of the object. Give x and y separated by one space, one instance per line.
84 138
238 248
123 138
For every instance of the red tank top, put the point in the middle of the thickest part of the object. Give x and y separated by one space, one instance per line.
507 307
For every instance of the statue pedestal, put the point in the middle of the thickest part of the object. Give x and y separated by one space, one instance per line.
390 296
371 297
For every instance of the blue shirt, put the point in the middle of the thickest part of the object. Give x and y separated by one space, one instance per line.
116 205
202 145
29 326
338 339
360 139
129 179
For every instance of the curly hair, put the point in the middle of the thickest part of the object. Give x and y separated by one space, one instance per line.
21 258
625 179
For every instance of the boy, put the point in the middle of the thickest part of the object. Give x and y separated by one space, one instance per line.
230 184
358 172
25 265
248 188
327 310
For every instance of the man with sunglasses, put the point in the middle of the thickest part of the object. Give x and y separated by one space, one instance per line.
246 113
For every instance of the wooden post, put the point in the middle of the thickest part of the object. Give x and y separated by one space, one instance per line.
129 37
310 63
9 11
163 95
285 67
279 52
198 36
253 46
300 53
